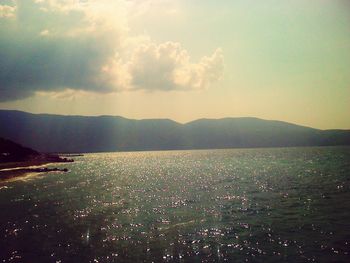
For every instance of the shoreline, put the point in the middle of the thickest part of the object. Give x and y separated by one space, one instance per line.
9 171
22 165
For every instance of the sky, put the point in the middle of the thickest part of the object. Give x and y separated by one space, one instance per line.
178 59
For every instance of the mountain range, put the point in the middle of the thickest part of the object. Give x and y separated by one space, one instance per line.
78 134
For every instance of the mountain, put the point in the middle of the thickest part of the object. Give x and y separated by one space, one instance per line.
57 133
11 151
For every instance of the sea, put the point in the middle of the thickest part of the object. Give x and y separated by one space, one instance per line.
231 205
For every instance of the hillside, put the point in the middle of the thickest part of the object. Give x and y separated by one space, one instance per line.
11 151
56 133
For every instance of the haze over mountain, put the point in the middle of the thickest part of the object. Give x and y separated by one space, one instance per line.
58 133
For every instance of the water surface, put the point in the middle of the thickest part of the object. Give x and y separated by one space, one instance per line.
240 205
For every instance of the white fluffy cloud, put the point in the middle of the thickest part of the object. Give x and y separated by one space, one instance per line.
59 45
167 67
7 11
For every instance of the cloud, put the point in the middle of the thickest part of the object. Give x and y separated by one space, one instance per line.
167 67
60 45
7 11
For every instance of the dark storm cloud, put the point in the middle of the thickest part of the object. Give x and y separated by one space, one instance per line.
28 65
33 58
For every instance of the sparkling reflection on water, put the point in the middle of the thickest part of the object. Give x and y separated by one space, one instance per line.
242 205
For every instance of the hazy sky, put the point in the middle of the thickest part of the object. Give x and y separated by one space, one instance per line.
178 59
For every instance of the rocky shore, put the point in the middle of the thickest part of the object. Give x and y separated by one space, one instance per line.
17 160
9 170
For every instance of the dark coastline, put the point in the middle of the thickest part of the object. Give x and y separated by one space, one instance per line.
10 170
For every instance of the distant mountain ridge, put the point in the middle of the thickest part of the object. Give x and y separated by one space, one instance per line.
59 133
